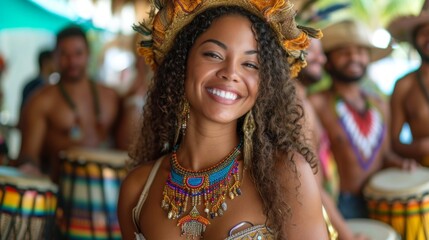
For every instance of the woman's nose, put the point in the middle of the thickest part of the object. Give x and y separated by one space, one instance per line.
228 71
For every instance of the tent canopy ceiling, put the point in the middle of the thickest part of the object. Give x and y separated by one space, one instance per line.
27 14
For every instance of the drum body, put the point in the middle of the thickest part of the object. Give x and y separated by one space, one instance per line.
401 199
373 229
27 206
89 190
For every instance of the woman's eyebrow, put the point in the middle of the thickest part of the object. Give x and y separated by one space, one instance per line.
222 45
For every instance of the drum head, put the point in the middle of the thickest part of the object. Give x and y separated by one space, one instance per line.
101 156
397 183
374 230
13 176
10 171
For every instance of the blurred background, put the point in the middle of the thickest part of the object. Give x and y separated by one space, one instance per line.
29 26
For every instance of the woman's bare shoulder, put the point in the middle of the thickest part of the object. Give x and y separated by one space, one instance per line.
137 177
131 189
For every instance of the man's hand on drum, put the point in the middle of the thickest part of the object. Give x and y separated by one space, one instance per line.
360 236
394 160
30 168
409 164
424 145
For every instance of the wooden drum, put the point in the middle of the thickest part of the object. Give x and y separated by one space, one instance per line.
90 183
27 206
401 199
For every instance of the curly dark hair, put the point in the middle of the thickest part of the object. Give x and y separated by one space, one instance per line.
277 112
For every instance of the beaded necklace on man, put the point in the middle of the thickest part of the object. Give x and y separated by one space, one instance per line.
209 187
75 131
364 129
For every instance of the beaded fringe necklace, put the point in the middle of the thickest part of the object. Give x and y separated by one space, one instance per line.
209 187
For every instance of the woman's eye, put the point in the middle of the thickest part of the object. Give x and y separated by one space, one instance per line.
212 55
251 65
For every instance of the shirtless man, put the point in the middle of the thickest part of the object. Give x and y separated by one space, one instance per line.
356 122
75 112
410 98
327 174
133 101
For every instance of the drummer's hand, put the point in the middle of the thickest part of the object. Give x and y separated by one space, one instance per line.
424 145
360 236
30 169
409 164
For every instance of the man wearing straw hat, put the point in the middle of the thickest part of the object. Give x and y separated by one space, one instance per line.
355 120
410 98
327 175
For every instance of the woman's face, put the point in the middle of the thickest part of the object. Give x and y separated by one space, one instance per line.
222 74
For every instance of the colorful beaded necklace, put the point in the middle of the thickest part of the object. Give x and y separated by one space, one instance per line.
209 186
365 130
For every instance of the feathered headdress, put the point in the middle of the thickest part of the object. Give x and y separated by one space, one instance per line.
168 17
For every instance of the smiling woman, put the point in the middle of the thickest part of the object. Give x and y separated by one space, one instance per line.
221 147
222 71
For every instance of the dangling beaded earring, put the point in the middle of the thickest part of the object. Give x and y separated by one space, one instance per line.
182 121
248 129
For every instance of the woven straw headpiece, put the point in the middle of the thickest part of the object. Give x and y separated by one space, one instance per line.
168 17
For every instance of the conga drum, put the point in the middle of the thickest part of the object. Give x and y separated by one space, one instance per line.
373 229
401 199
27 206
89 190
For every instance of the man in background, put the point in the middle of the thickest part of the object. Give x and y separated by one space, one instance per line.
356 121
327 175
46 68
76 112
133 101
410 98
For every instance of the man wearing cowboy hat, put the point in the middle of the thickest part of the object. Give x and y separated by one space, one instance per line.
356 121
327 175
410 98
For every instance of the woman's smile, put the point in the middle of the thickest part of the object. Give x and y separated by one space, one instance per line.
222 95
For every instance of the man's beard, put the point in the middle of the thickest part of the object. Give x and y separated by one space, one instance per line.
340 76
73 76
308 78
